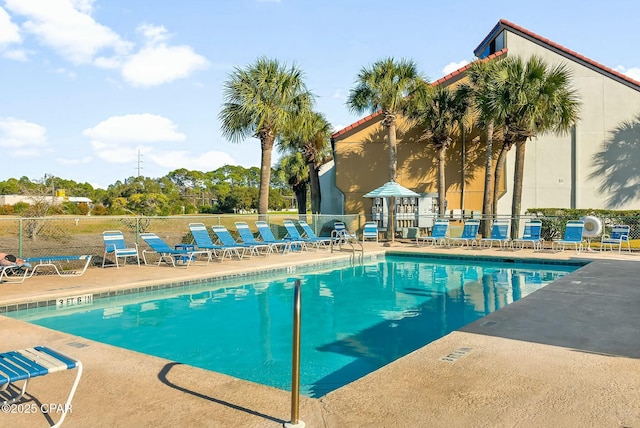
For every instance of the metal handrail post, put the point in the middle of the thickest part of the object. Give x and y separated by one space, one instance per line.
295 363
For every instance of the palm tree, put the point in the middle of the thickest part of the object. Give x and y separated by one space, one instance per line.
310 135
530 98
294 168
385 86
482 77
260 101
440 111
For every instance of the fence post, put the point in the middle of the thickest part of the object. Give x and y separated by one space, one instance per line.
20 238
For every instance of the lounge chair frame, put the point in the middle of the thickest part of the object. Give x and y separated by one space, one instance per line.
532 235
439 234
469 237
499 234
267 236
618 237
53 262
115 246
170 255
25 364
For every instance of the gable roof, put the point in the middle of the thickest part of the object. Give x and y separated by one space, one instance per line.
438 82
559 49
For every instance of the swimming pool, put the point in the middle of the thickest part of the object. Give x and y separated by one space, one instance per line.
355 319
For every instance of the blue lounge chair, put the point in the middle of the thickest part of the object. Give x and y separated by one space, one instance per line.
62 265
532 235
294 235
170 255
115 245
370 231
247 238
469 235
499 234
438 235
310 234
228 241
26 364
267 236
619 236
572 236
203 241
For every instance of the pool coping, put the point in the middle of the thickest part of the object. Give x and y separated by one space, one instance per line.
123 290
455 393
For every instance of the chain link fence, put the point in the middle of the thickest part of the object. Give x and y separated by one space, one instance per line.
69 235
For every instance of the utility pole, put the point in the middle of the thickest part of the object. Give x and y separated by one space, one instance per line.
139 162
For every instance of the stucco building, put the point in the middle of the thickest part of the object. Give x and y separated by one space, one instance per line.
590 167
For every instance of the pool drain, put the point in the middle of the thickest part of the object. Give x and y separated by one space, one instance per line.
455 354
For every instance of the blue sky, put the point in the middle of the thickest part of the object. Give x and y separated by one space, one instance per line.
87 84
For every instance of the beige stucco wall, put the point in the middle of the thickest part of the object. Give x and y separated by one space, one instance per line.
362 164
606 104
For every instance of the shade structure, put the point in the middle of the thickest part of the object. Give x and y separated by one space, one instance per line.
391 188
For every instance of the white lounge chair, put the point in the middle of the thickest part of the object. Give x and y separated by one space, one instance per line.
619 236
115 246
370 231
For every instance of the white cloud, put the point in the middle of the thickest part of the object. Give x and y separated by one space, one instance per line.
67 27
633 72
339 94
67 161
118 138
21 138
9 32
158 63
135 128
16 54
453 66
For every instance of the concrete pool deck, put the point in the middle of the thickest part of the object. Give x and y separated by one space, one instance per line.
566 355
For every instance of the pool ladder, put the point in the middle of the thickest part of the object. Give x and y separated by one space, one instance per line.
342 238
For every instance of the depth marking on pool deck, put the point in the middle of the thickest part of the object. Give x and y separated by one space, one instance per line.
455 354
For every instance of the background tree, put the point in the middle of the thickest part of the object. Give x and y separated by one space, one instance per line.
259 102
310 136
530 97
296 170
482 78
385 86
439 112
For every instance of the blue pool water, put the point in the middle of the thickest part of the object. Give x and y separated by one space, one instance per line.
355 319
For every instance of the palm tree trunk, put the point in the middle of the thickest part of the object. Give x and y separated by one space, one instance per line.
393 154
265 177
300 191
518 178
502 157
488 188
314 184
441 180
463 177
393 162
